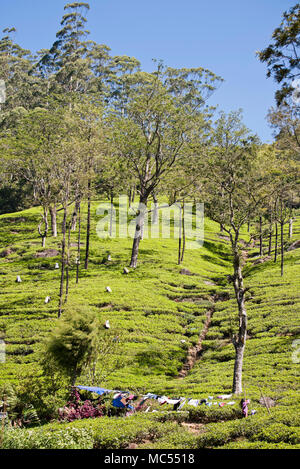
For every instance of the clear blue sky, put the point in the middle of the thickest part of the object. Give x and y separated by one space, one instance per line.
221 35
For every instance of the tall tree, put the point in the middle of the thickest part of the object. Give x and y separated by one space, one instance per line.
285 120
286 184
15 69
231 171
67 64
34 156
282 55
162 114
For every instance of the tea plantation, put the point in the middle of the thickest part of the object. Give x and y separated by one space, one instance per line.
159 312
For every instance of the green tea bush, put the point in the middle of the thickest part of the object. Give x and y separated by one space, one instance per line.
69 438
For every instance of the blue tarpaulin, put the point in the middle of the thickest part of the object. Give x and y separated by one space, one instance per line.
96 390
119 402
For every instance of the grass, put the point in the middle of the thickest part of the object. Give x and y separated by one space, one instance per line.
155 308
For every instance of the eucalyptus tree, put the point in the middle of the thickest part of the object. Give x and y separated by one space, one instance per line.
286 187
118 83
184 184
22 89
67 64
88 116
155 127
231 170
21 94
282 55
112 179
72 179
47 149
285 120
34 154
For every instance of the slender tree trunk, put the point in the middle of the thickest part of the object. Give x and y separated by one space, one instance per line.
46 226
78 244
270 236
155 211
282 247
183 234
260 237
68 262
276 241
75 214
53 216
291 228
138 228
63 260
180 235
133 195
239 340
129 196
88 227
44 233
111 214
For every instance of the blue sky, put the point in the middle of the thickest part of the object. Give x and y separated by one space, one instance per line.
220 35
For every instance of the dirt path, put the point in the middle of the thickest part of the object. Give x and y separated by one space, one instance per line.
195 352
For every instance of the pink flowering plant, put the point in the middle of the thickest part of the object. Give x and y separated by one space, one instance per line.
77 409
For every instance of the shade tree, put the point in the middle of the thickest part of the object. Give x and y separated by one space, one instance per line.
231 171
282 55
158 125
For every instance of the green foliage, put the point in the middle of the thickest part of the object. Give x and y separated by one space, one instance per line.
148 320
281 56
72 342
40 439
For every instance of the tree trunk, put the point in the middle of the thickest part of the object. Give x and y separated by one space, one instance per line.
276 241
63 248
282 247
75 214
291 228
239 340
88 227
180 236
52 210
270 237
155 211
129 196
138 229
46 227
237 387
111 214
260 237
183 234
78 244
68 262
